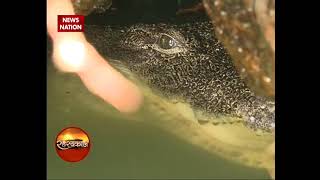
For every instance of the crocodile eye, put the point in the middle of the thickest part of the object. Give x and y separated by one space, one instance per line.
166 42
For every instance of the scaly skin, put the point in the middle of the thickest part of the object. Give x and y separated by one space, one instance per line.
187 74
185 60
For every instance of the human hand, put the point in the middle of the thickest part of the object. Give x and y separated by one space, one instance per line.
72 53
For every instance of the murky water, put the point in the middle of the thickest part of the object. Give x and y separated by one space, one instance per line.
124 148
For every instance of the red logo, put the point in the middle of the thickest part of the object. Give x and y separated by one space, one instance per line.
70 23
72 144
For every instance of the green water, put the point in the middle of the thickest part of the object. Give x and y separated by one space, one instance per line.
123 148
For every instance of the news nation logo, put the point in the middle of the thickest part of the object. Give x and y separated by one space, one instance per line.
72 144
70 23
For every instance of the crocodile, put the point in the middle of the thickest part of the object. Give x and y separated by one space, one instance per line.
185 69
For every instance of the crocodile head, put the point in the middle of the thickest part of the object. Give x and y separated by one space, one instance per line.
185 60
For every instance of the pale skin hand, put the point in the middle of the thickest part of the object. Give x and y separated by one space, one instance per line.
95 72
